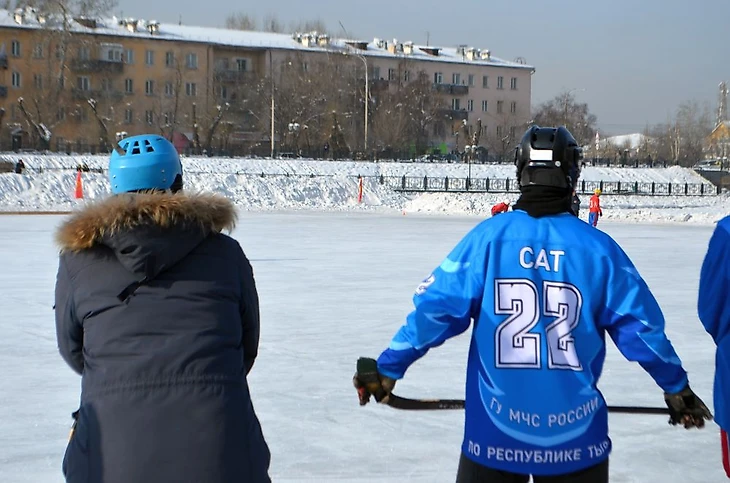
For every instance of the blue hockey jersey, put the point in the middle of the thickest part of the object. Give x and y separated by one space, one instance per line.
713 307
542 293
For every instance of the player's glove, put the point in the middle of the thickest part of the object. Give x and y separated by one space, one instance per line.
687 409
369 382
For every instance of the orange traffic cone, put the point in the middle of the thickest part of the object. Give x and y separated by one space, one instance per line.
79 186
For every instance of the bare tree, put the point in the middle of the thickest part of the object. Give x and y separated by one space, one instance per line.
240 21
272 24
564 110
317 25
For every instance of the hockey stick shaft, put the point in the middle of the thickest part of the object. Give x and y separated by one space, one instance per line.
398 402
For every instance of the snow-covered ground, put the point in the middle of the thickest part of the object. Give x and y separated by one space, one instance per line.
287 184
334 287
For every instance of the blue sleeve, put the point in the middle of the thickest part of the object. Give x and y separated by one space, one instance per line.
69 331
444 305
635 322
713 302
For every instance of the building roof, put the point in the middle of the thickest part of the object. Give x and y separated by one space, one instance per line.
149 29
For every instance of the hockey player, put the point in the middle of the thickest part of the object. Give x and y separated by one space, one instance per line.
502 207
713 308
594 208
157 310
543 289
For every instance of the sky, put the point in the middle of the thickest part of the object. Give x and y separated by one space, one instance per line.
632 62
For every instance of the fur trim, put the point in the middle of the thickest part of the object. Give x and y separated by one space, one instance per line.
100 220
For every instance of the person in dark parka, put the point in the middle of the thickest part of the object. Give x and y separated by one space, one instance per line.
575 204
157 310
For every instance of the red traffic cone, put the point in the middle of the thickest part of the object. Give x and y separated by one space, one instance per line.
79 186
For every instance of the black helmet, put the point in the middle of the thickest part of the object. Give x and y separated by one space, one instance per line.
548 156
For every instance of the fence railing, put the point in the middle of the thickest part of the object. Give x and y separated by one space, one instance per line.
501 185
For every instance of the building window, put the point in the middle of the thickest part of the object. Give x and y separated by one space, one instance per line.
499 131
15 48
376 73
60 51
149 57
240 65
455 104
485 81
106 85
60 113
169 118
128 116
500 107
407 76
500 82
484 130
438 78
38 51
129 86
485 106
83 53
513 83
191 61
470 105
471 80
169 59
169 89
149 117
305 67
512 132
16 79
38 81
129 56
456 78
190 89
513 107
224 92
149 87
114 55
83 83
392 75
83 116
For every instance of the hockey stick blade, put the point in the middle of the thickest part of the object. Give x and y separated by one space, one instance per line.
398 402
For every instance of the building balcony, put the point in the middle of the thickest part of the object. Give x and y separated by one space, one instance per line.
455 114
231 76
3 91
452 89
99 95
88 65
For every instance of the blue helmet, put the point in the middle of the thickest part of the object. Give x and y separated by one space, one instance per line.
148 162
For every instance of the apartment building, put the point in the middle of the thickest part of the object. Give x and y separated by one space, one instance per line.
146 76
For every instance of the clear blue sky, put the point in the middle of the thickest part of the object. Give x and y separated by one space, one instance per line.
636 59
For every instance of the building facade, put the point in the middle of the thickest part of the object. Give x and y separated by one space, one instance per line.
72 84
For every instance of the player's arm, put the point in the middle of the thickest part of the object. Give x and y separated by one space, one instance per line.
635 322
713 302
444 305
69 331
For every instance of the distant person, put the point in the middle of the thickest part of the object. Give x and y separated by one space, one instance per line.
501 207
20 167
713 308
158 311
594 208
575 204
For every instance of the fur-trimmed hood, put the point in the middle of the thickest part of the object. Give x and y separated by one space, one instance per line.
147 231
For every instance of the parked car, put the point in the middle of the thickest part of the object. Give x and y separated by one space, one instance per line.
709 165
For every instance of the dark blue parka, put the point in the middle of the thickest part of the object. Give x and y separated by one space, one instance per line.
158 312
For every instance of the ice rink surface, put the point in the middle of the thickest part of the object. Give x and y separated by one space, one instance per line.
334 287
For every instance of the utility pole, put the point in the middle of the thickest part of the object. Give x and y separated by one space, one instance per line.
271 71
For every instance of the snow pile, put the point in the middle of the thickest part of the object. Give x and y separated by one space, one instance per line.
287 184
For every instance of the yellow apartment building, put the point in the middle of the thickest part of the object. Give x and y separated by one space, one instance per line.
145 76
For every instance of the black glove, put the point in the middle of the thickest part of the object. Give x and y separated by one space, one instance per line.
369 382
687 409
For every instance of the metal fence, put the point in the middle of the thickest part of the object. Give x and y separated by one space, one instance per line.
421 184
